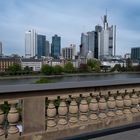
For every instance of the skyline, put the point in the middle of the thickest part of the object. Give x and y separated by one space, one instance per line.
68 19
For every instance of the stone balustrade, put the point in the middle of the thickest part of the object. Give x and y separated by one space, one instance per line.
86 109
72 110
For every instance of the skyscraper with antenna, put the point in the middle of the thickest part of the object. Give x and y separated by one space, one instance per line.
106 39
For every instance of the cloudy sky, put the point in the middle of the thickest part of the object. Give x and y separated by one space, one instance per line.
67 18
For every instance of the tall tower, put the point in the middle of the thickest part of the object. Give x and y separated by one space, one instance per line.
41 45
30 44
56 46
107 40
0 48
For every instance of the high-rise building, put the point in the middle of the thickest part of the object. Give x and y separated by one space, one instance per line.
41 45
135 54
47 48
89 42
0 48
69 53
56 46
106 40
30 44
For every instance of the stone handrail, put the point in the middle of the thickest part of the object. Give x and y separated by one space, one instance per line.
67 109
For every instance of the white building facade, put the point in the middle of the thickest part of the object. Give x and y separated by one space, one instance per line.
34 64
69 53
30 44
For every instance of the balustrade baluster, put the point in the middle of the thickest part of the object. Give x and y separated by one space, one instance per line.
73 113
51 117
13 118
1 122
102 107
111 103
62 114
83 108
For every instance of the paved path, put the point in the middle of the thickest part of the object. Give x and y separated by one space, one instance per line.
127 135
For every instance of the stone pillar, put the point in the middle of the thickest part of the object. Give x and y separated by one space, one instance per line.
73 113
2 133
93 107
120 106
127 103
34 114
83 108
51 117
135 102
62 114
111 103
13 118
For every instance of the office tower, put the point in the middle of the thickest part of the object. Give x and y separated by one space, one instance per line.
41 45
69 53
0 48
84 45
106 39
47 48
30 43
88 43
56 46
135 54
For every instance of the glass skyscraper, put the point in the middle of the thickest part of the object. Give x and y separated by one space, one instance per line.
56 46
135 54
41 45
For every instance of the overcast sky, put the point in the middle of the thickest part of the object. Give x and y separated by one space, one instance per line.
68 19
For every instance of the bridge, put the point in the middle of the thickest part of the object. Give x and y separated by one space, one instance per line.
69 110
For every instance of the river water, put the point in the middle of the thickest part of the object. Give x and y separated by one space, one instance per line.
73 78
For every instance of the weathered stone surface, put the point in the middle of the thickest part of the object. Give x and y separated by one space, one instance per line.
34 114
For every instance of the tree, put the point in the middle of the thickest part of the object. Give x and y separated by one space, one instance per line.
46 69
14 69
84 68
129 64
94 64
68 67
117 67
27 70
57 69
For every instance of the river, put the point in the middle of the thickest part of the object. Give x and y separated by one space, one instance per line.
75 78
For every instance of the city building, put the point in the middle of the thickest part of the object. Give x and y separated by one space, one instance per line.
34 64
47 48
106 40
41 46
56 46
69 53
127 55
5 62
89 42
135 54
0 48
30 43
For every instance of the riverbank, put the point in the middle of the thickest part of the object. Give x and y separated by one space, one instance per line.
63 75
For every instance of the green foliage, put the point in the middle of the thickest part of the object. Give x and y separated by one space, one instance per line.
44 80
57 69
117 67
94 65
5 107
27 70
128 63
46 69
15 68
69 68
